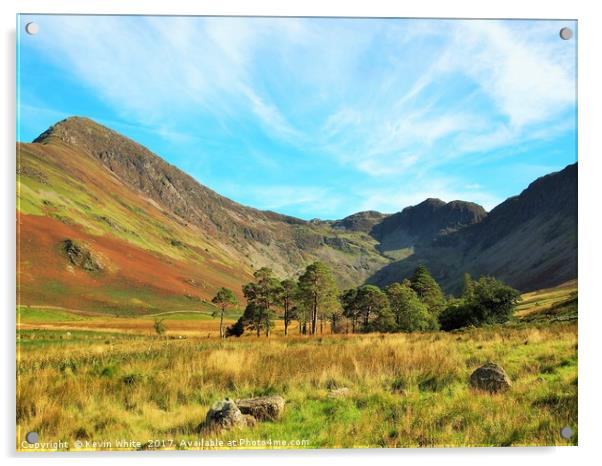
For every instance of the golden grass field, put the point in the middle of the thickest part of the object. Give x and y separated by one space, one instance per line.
103 380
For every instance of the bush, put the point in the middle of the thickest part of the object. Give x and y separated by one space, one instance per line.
490 302
236 329
399 385
457 316
159 327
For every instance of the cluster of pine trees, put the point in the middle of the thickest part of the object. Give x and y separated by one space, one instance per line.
410 306
416 304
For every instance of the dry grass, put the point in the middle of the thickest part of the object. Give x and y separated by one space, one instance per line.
405 390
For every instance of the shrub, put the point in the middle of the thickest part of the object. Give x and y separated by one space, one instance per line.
236 329
490 302
159 326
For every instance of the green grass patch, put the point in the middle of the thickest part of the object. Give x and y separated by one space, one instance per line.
39 315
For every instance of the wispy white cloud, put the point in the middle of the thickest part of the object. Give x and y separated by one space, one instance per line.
389 102
489 85
310 200
155 70
271 117
526 74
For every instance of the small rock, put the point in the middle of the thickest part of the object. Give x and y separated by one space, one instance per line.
224 414
491 378
264 408
339 392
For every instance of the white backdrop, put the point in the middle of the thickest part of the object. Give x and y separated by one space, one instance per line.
590 154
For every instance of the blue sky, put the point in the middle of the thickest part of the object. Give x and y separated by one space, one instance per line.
317 117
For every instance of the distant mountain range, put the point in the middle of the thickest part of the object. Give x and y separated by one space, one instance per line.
106 225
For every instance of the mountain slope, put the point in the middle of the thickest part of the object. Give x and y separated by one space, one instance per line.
106 225
529 241
88 182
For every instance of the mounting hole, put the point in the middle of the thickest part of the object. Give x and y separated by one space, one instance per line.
566 33
566 432
32 437
32 28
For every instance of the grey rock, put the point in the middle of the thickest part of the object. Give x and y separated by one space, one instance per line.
224 414
490 378
264 408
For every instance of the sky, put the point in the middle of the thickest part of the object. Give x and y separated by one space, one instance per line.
316 117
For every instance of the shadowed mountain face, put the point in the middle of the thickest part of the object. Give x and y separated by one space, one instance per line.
424 222
161 239
529 241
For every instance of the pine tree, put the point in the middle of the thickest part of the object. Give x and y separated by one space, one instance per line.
224 298
318 293
262 295
428 290
373 305
410 313
351 310
468 291
289 293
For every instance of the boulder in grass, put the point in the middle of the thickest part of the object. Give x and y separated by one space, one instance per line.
490 378
224 415
263 408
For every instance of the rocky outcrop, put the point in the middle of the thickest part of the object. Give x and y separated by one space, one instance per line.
423 222
80 256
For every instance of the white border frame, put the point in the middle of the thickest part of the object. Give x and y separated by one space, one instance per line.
590 154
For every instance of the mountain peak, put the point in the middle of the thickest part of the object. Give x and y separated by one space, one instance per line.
360 221
70 128
428 219
146 172
431 202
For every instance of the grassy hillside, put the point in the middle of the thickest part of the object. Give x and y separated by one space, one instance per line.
550 304
145 261
136 252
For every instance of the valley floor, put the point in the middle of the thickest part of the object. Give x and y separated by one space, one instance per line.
85 379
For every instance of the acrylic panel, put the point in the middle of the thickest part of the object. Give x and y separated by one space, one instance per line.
295 233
